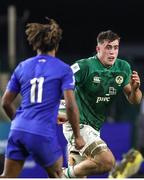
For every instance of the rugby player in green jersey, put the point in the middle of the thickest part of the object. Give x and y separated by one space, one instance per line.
99 79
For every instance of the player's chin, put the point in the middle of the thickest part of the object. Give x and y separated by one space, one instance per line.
111 63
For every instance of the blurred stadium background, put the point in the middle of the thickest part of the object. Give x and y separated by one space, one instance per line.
81 21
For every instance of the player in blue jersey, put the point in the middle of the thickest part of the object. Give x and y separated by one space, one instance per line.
41 80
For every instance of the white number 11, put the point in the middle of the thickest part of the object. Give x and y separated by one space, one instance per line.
36 82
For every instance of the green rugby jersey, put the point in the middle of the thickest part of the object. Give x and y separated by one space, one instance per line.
97 86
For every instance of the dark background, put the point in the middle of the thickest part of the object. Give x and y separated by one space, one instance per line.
81 21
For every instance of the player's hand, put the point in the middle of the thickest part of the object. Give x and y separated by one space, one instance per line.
79 142
62 118
135 81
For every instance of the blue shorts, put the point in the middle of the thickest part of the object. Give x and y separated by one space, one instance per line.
44 150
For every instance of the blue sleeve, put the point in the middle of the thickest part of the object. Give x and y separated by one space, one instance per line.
68 81
13 84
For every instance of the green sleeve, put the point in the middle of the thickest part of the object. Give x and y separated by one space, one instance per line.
79 69
128 73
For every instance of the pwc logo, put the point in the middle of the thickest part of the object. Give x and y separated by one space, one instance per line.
102 99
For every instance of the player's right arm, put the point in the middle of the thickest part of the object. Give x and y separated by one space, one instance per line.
10 94
73 117
7 103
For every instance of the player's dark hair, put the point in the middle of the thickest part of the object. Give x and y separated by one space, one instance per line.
44 37
108 36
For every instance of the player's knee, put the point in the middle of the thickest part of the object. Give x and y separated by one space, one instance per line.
108 163
104 162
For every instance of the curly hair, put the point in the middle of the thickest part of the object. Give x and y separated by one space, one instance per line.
44 37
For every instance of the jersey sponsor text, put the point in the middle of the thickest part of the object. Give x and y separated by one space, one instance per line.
102 99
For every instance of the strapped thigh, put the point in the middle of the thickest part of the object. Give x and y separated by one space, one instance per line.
95 148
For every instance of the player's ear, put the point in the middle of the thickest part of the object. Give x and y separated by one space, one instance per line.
97 48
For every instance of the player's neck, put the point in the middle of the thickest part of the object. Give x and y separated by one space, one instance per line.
50 53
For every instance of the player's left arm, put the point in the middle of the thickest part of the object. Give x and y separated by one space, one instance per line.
132 90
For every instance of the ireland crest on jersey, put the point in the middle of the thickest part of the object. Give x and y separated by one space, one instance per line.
119 80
